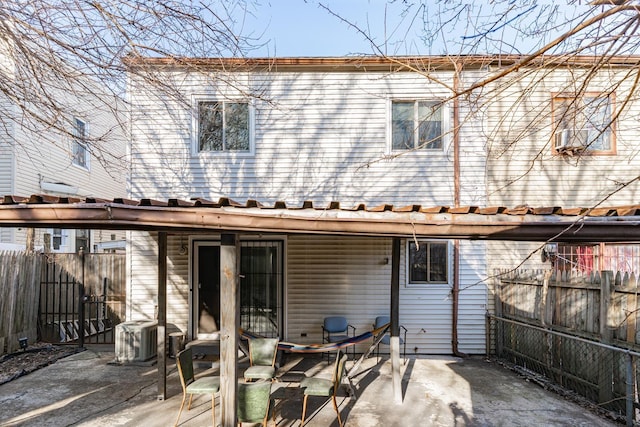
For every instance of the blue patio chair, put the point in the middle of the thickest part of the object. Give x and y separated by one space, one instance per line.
386 340
336 329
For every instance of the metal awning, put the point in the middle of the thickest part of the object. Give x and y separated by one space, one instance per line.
603 224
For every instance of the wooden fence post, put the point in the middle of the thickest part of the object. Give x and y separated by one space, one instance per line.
605 365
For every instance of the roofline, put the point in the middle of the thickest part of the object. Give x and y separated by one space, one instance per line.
386 223
374 63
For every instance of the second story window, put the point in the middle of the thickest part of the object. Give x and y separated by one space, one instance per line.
417 125
223 126
583 124
79 145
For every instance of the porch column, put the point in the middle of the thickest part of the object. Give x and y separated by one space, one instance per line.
229 325
394 346
162 315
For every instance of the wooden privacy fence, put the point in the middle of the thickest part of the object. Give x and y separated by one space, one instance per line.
580 332
602 306
19 283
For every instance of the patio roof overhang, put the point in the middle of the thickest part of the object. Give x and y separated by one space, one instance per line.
603 224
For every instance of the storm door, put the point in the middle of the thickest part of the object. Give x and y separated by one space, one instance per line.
261 284
206 291
261 287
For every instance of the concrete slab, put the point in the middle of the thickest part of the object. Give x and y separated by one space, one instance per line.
85 390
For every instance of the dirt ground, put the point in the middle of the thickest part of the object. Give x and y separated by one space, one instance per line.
36 356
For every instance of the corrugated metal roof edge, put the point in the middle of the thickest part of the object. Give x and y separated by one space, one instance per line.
599 211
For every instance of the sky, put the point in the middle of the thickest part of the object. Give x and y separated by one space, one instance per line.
398 27
304 28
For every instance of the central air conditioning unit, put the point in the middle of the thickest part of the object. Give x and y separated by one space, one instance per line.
573 139
136 341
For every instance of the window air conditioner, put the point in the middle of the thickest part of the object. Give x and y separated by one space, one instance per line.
573 139
136 341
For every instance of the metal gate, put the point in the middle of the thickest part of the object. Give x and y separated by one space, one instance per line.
81 298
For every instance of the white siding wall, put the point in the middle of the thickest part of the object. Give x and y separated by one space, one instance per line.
330 276
7 163
42 153
319 137
522 169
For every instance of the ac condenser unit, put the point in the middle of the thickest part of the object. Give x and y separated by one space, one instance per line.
136 341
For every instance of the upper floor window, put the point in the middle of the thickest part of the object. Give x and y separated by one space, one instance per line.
583 124
83 240
79 146
65 240
223 126
428 262
417 124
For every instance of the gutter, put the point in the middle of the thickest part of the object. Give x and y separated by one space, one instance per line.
456 200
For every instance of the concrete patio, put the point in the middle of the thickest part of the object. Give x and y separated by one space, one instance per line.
87 390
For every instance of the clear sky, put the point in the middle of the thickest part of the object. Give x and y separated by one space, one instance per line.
404 27
311 28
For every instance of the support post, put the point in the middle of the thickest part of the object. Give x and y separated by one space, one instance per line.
162 315
394 346
629 390
605 368
81 297
229 325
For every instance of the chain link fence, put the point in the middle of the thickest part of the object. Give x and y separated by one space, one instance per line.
603 374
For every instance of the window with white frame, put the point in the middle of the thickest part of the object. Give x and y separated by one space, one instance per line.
583 123
428 262
67 241
79 146
417 124
83 240
223 126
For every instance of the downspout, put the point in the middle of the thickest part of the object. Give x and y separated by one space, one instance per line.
456 200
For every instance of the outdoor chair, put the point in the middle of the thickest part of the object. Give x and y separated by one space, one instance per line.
262 357
336 329
191 386
314 386
253 402
386 340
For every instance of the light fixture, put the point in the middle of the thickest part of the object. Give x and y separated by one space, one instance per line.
24 342
183 248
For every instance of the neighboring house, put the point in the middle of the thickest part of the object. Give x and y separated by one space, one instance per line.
62 139
350 130
564 135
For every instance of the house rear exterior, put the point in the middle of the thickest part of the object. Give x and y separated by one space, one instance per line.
318 130
312 132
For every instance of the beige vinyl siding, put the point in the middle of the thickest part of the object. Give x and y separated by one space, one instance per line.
322 137
473 297
336 276
142 272
7 159
519 127
521 168
349 277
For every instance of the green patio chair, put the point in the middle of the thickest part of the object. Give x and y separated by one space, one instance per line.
314 386
190 385
262 356
253 402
